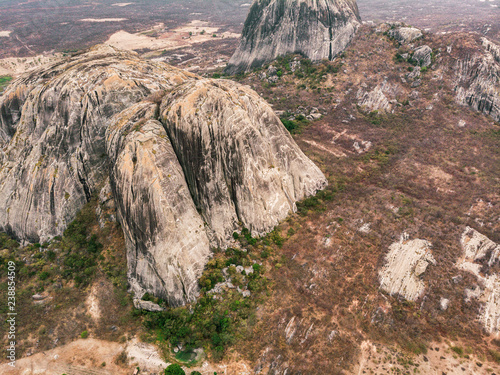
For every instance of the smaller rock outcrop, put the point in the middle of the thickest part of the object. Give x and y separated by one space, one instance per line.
147 305
380 98
406 261
423 56
405 35
374 100
478 80
479 254
317 29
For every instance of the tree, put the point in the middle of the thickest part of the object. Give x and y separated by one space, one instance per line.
174 369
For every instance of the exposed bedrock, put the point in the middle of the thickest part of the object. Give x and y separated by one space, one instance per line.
318 29
184 174
240 162
167 246
478 80
52 125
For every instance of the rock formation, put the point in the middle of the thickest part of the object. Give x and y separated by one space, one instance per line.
423 56
405 35
478 80
240 163
479 255
186 168
406 261
52 126
317 29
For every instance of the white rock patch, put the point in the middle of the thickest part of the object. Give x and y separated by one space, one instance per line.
476 247
405 262
374 100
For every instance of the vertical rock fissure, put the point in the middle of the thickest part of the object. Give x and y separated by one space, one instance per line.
330 31
185 170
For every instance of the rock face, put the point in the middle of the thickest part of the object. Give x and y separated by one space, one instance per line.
184 169
52 126
406 261
167 246
405 35
478 80
240 162
423 55
479 254
317 29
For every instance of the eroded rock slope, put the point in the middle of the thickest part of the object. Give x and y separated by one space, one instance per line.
186 168
317 29
478 78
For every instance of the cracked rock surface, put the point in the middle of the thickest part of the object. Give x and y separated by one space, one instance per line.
188 161
317 29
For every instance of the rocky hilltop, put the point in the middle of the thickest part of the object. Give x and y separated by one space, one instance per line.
317 29
189 161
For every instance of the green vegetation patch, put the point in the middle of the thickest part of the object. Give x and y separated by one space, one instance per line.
4 81
215 320
296 125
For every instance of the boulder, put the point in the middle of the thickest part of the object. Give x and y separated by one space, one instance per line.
405 35
423 56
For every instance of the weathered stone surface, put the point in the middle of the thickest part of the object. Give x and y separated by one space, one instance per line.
52 125
240 162
492 48
405 35
423 55
479 254
181 182
415 73
317 29
405 262
167 246
378 98
374 100
478 80
147 305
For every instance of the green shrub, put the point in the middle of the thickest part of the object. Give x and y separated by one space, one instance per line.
457 349
174 369
295 126
84 334
495 355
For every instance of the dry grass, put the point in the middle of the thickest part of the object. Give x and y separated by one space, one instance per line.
422 175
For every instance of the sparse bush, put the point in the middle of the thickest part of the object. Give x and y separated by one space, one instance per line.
121 359
457 349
